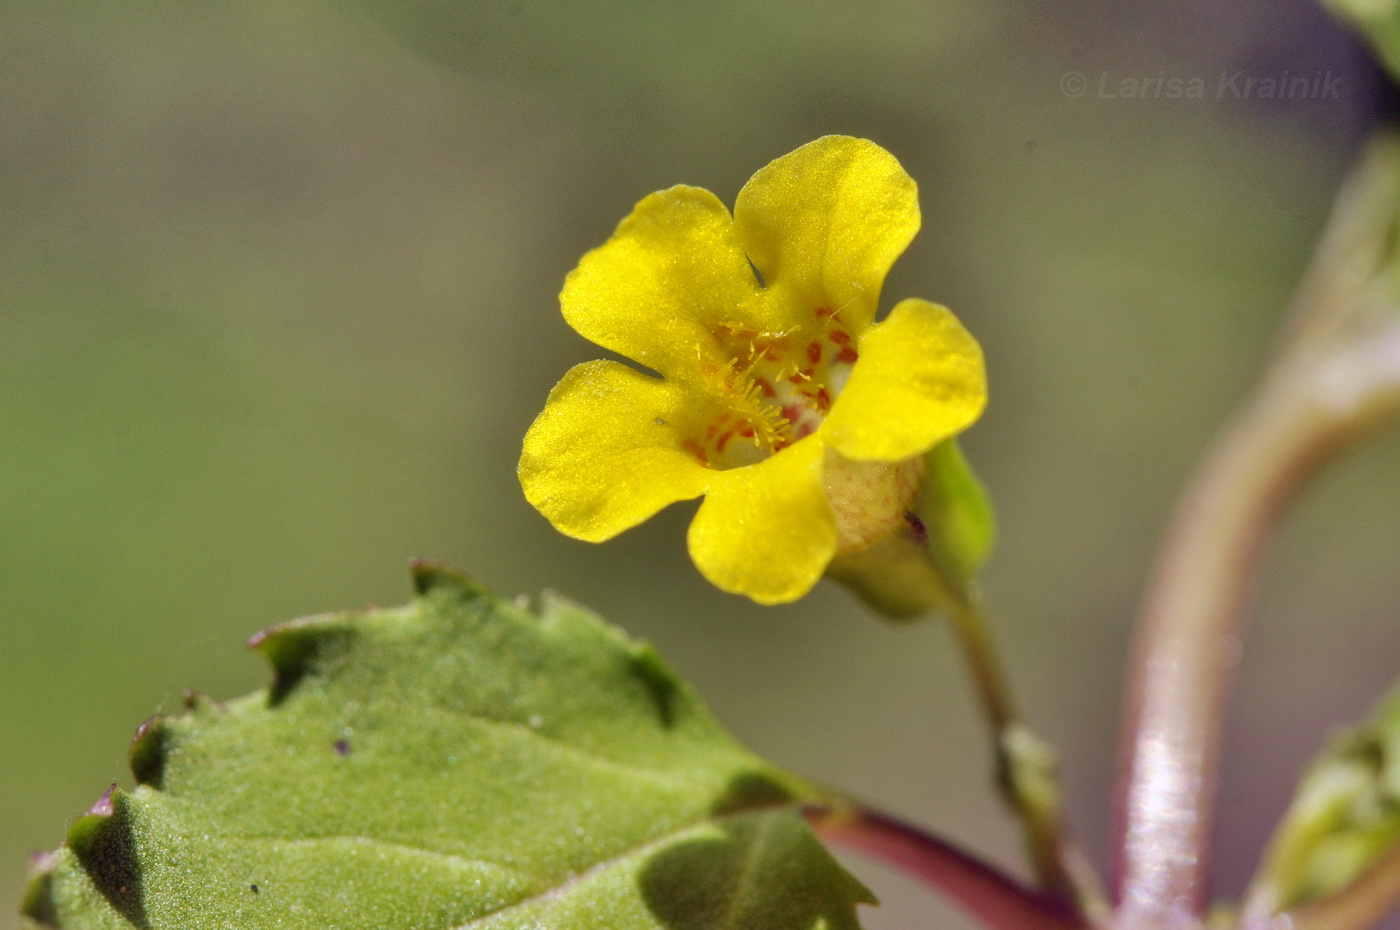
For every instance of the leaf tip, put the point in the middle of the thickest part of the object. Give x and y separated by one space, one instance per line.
104 842
430 576
294 649
149 749
37 905
198 702
662 685
103 806
42 862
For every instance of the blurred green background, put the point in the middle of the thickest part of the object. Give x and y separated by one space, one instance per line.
278 292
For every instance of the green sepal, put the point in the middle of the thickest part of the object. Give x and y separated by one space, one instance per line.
931 564
956 513
455 763
1344 817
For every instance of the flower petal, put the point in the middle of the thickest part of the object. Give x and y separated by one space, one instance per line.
919 380
826 222
767 530
670 275
606 452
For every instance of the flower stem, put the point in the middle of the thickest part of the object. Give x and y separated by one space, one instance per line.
995 900
1025 766
900 578
979 651
1336 380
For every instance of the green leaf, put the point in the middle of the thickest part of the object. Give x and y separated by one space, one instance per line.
1379 21
455 763
1344 817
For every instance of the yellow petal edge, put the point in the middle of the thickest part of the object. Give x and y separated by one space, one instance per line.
603 457
827 221
767 531
920 379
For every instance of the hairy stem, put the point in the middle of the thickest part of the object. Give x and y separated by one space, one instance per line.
997 901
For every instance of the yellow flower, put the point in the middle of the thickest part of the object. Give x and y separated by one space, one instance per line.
801 420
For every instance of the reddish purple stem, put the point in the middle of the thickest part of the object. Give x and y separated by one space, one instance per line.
994 899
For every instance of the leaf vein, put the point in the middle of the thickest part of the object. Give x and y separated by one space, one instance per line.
595 758
466 861
577 879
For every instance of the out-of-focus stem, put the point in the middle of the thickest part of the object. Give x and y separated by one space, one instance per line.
1192 620
1187 648
995 900
1338 379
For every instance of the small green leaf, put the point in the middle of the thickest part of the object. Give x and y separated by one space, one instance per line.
1379 21
956 513
455 763
1345 816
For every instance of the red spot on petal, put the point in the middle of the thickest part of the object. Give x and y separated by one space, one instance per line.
814 352
693 447
765 387
746 432
823 399
848 355
723 441
839 336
